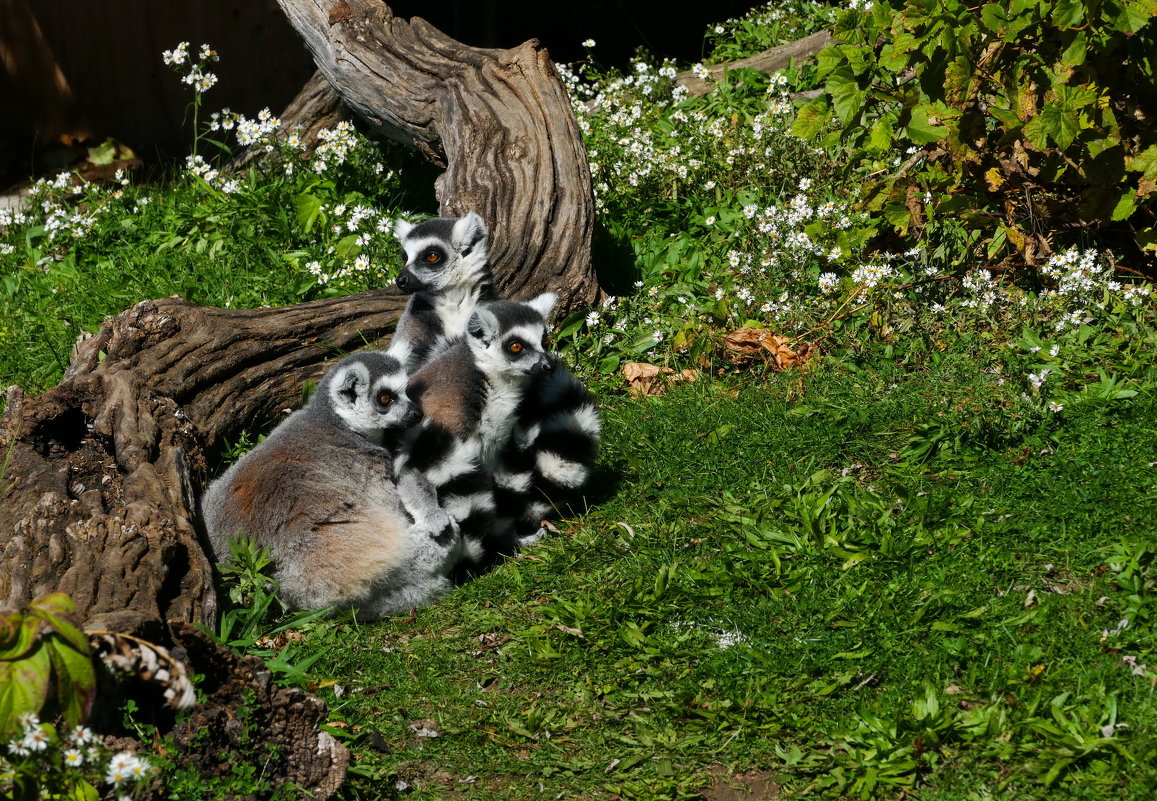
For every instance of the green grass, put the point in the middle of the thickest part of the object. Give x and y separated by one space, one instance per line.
737 602
901 572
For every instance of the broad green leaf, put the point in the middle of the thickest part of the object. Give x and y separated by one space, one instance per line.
1055 124
811 119
308 210
847 96
921 130
897 214
104 153
58 610
994 17
22 637
1125 206
1074 55
347 247
81 791
572 323
827 60
1144 162
24 685
1005 116
1068 14
1133 17
75 683
882 135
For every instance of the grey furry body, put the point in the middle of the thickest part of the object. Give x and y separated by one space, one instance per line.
321 494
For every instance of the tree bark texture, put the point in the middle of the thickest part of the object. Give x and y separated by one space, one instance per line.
101 475
500 121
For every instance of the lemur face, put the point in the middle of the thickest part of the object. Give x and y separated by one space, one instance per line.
442 253
368 392
508 338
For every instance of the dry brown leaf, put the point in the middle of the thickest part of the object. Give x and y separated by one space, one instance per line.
651 379
747 344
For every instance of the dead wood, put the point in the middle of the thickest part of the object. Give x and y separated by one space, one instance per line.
773 60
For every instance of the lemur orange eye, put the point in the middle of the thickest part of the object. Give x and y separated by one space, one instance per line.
515 347
385 398
432 257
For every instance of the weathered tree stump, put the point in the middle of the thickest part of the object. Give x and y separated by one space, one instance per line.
101 475
499 120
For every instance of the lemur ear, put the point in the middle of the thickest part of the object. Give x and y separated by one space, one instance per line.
483 325
401 228
543 303
349 382
469 232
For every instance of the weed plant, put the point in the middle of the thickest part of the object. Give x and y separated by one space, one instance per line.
922 565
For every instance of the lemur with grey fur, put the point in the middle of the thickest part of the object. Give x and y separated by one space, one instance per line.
447 274
556 432
470 396
321 492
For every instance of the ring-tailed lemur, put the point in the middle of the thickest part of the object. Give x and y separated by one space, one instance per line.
447 274
344 527
470 396
557 425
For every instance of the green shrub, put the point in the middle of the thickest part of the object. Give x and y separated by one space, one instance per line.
1028 123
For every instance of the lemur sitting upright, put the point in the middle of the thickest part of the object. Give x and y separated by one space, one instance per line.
556 431
469 397
447 274
343 527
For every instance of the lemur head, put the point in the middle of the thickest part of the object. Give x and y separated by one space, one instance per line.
507 338
443 253
366 392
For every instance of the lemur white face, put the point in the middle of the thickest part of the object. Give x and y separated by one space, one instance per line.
442 253
509 339
368 392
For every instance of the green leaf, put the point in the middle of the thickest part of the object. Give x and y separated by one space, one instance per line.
75 681
1068 14
1133 17
994 17
828 60
1125 206
104 153
632 635
847 96
882 134
1053 123
1144 162
347 247
811 119
58 610
921 129
570 324
24 685
308 210
81 791
21 631
1075 54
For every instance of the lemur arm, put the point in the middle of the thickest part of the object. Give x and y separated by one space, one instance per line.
420 500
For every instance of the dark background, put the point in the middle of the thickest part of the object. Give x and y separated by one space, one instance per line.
73 74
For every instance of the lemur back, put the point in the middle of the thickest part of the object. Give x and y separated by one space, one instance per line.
320 493
469 397
447 274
